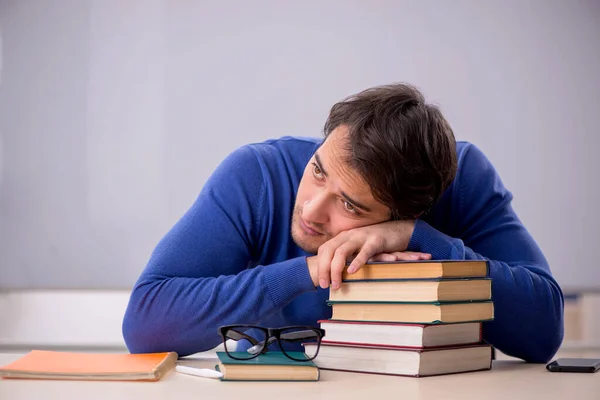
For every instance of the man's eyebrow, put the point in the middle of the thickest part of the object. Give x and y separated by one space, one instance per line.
355 203
319 164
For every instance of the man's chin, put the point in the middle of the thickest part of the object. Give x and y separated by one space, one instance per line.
308 246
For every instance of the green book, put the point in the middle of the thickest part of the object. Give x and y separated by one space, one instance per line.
271 366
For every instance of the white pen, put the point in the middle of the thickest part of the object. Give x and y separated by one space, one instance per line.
203 372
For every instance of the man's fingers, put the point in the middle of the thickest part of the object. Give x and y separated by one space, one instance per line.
400 256
324 258
339 263
367 251
410 256
413 255
383 257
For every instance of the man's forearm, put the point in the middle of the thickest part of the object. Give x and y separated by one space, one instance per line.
528 303
528 307
182 314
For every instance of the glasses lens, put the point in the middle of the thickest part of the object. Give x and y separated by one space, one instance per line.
243 343
300 343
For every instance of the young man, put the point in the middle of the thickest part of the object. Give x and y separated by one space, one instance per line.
270 232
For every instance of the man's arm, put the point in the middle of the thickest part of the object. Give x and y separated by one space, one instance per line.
197 277
528 302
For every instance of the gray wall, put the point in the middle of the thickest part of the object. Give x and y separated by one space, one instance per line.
114 113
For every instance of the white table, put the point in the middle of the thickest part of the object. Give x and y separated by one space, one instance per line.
509 379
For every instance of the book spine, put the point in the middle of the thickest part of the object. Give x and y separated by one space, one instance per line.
396 347
395 374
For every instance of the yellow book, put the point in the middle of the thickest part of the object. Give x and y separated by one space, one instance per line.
413 313
413 290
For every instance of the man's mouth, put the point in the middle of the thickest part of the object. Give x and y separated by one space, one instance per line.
307 229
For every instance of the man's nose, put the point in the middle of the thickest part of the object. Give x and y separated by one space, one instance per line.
315 209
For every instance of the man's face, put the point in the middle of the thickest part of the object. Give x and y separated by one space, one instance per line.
332 197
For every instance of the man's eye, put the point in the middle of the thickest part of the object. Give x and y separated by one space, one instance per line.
317 171
349 207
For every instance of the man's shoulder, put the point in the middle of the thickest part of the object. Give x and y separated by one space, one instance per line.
271 152
470 156
463 147
476 185
475 170
296 150
286 144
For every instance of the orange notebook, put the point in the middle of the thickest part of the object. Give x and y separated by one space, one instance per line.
40 364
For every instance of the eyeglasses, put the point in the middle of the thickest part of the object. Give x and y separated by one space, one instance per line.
244 342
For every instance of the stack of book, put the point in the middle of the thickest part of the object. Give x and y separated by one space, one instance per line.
418 318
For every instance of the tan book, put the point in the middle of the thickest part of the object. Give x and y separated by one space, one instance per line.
425 313
40 364
446 290
420 270
405 335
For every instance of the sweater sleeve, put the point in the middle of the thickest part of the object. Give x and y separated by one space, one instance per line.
200 276
528 302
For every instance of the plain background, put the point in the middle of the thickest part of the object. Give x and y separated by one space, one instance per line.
114 113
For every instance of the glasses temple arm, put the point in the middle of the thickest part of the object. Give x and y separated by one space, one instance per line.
241 335
290 337
299 336
259 347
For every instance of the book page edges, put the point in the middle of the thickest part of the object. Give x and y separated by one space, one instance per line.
165 365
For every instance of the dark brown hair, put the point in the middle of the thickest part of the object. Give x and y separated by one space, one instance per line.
401 146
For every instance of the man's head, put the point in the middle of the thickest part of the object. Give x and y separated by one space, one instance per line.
387 155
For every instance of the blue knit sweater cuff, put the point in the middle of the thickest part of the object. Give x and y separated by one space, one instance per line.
287 280
427 239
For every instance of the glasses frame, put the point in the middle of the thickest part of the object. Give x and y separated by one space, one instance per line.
274 333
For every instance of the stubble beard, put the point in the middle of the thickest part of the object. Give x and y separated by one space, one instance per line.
309 244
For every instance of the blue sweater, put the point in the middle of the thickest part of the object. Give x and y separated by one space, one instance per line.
231 260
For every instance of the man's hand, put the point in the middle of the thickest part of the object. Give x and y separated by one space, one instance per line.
386 241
